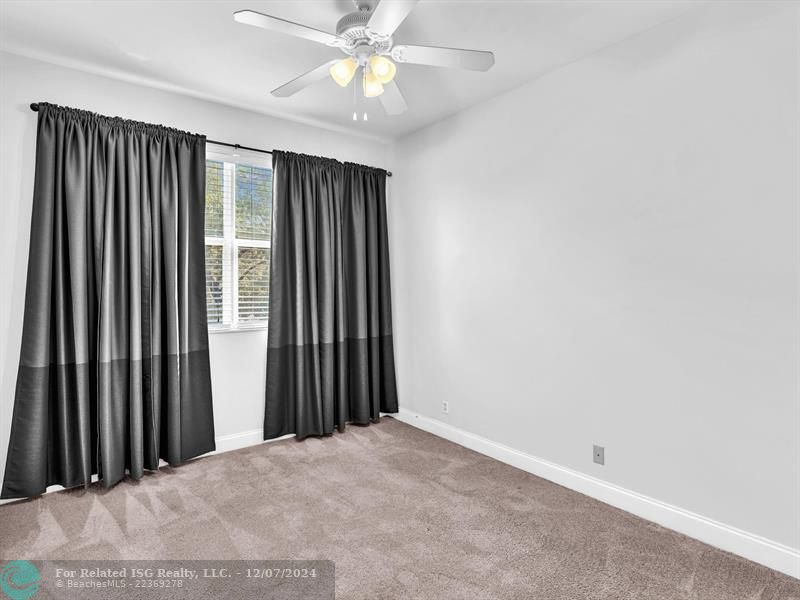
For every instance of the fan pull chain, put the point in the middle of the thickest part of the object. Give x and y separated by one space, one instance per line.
364 74
355 101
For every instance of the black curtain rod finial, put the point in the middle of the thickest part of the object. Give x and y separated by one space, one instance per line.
35 108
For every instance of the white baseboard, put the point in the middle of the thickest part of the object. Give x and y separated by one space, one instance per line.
226 443
750 546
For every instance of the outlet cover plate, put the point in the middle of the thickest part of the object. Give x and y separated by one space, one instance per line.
599 455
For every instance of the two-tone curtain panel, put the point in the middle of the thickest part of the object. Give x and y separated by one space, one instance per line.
114 368
330 356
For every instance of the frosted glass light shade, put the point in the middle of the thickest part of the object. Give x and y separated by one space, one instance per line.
343 71
383 68
372 87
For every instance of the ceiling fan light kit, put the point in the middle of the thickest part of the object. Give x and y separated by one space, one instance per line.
365 35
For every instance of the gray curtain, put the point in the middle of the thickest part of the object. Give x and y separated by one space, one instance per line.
114 370
330 357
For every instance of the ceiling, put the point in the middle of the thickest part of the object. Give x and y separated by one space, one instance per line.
197 48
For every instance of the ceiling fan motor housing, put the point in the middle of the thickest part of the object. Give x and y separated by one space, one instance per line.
360 41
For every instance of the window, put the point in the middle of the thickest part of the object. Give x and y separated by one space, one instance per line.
238 229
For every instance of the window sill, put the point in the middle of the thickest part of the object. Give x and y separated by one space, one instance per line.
254 328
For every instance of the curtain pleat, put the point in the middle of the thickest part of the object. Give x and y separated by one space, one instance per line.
330 354
114 370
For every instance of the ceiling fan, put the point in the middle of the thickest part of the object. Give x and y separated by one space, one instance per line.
365 36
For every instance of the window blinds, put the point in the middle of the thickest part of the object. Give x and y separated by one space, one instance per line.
238 228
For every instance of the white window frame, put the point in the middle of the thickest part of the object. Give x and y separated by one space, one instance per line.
230 243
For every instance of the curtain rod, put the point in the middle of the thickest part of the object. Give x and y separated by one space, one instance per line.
35 108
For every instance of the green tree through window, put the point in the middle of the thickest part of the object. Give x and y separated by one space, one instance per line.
253 202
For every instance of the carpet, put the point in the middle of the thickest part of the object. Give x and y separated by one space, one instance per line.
403 513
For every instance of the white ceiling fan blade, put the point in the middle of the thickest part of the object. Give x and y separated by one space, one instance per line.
392 99
474 60
306 79
386 18
250 17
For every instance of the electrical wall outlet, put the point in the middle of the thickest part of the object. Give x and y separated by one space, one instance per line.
599 455
445 407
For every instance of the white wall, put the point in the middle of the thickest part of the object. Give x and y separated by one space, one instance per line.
238 360
609 255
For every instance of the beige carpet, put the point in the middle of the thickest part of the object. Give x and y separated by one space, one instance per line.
404 514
